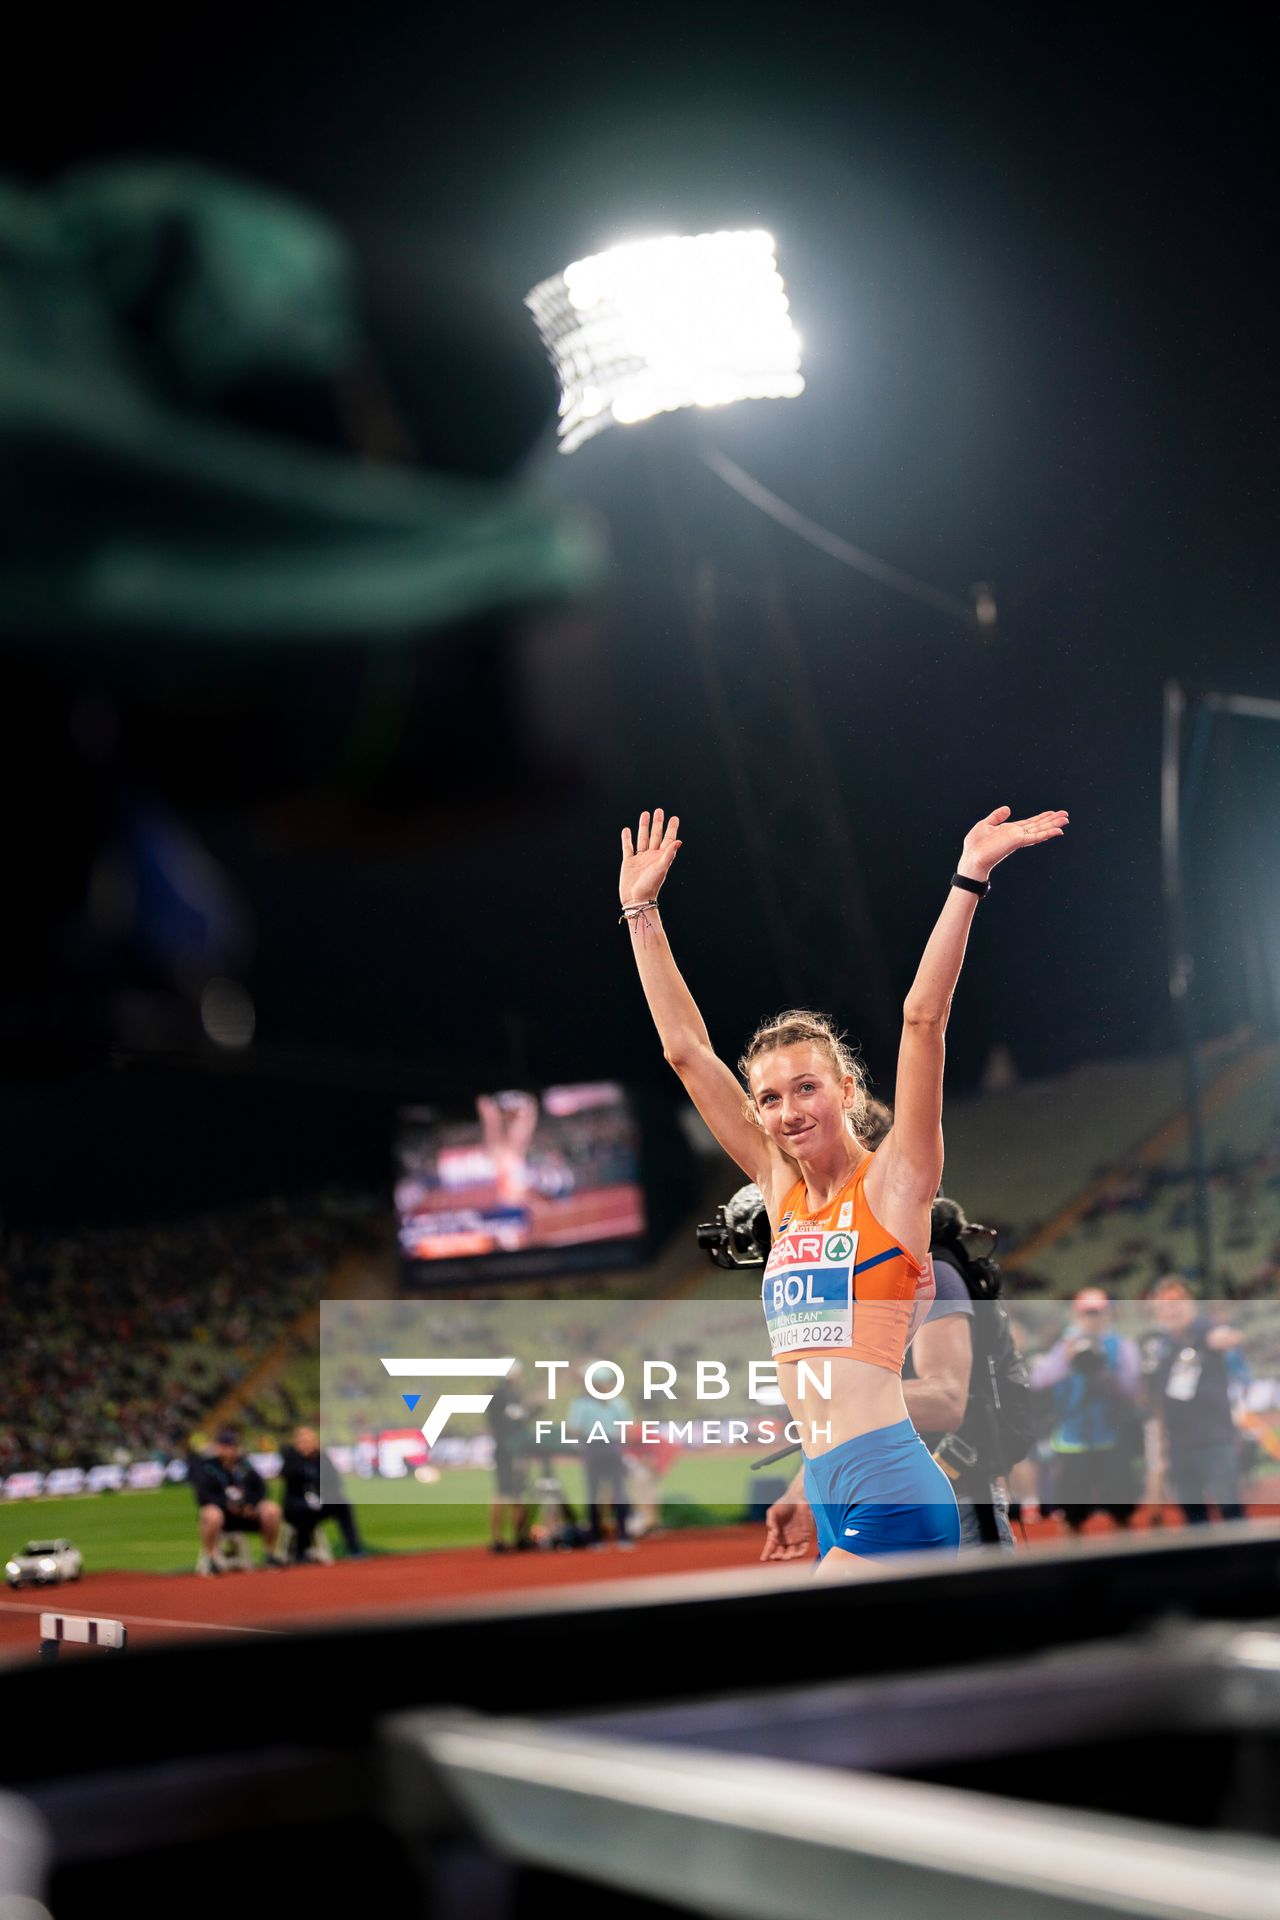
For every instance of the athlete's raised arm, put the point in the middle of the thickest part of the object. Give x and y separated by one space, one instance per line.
686 1044
909 1165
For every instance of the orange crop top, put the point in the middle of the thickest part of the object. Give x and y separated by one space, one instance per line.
836 1282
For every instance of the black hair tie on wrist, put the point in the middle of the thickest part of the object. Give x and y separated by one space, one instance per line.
981 887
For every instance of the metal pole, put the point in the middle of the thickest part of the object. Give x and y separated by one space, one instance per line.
1181 967
1259 996
1245 706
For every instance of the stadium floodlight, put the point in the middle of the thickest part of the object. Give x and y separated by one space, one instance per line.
685 321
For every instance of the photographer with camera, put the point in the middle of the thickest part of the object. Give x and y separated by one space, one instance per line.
1094 1378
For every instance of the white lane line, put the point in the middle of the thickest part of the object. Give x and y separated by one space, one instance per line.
149 1620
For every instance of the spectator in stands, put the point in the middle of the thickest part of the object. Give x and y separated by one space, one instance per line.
1093 1376
510 1424
301 1468
140 1299
232 1498
1189 1367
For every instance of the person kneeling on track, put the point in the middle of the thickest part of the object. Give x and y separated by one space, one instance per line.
232 1498
302 1467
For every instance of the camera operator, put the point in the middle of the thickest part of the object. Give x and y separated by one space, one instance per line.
1094 1378
962 1346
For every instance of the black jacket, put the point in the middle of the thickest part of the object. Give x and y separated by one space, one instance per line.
300 1473
237 1485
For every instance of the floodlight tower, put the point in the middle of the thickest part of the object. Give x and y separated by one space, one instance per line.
657 325
661 325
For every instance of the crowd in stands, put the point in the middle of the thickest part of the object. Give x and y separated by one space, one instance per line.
1142 1225
121 1340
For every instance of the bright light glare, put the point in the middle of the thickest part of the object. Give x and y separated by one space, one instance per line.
659 324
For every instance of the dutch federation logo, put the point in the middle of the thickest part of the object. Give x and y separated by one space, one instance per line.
435 1369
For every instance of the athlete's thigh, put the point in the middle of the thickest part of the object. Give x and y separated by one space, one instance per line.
836 1564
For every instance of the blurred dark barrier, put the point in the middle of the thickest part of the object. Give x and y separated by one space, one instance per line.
971 1733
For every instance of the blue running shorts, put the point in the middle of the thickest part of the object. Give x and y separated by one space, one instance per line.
882 1493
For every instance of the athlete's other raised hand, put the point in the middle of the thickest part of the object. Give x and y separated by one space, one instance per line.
647 862
904 1178
996 837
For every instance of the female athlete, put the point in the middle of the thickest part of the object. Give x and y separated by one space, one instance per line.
848 1278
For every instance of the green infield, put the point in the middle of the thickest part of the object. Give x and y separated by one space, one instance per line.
156 1532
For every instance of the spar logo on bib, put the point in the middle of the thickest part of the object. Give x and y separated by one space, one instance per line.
799 1247
839 1247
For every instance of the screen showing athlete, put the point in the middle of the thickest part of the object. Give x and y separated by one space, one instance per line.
847 1280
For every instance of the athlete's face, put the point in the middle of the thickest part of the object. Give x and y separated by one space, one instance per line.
801 1103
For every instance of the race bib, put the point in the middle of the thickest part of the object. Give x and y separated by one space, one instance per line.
1184 1376
808 1291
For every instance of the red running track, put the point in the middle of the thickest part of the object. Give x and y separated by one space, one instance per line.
156 1607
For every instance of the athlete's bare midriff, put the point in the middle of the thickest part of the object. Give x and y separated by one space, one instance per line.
863 1399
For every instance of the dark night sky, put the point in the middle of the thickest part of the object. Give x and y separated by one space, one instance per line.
1032 264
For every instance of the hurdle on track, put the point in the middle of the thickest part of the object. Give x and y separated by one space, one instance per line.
81 1628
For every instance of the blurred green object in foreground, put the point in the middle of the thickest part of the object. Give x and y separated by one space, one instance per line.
133 300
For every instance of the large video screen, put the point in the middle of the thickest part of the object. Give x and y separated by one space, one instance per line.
525 1183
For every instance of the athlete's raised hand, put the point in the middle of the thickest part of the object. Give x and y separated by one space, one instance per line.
996 837
646 864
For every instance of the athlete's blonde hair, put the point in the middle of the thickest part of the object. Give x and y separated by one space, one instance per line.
799 1027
